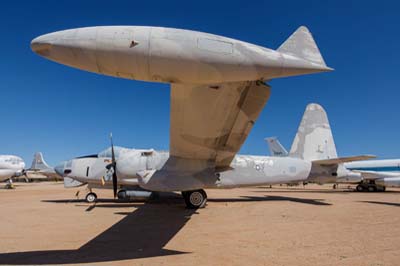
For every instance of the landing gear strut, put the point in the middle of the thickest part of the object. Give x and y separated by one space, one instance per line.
195 199
9 184
91 197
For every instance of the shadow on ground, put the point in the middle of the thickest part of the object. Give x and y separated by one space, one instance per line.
140 234
382 203
272 198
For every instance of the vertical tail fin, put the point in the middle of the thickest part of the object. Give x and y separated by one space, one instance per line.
275 147
301 44
38 162
314 140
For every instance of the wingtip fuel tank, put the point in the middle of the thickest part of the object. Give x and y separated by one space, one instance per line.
178 56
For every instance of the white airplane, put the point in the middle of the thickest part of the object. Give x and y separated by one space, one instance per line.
10 166
217 93
377 174
313 157
371 175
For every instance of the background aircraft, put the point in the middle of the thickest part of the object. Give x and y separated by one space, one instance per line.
10 166
371 175
377 174
40 169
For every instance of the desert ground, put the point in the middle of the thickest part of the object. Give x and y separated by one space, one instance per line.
44 223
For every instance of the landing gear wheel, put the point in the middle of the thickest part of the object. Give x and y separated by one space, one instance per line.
121 194
360 188
195 199
371 189
91 197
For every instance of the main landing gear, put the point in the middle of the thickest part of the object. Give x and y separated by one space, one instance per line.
195 199
370 187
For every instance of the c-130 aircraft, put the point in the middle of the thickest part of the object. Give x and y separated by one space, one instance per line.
218 90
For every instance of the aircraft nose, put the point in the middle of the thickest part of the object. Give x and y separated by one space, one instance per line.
42 44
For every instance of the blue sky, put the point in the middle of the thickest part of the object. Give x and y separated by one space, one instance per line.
65 112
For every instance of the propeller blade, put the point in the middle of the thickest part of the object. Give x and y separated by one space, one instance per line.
114 165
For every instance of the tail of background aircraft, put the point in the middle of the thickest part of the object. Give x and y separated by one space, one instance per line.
39 163
275 147
314 140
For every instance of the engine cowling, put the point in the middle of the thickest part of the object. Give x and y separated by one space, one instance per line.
388 182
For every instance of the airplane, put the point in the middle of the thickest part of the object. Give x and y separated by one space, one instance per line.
218 89
377 174
370 175
313 156
10 166
40 169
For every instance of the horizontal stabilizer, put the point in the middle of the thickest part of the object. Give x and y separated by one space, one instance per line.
301 44
343 160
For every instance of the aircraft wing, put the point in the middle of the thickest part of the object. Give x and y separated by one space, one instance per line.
209 124
212 122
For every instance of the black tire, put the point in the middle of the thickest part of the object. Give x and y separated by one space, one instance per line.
371 189
195 199
91 197
360 188
121 195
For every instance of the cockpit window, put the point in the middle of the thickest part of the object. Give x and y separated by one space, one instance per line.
147 153
107 152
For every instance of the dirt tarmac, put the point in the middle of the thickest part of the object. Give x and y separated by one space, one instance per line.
43 223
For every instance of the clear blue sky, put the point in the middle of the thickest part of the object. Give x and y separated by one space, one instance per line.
65 112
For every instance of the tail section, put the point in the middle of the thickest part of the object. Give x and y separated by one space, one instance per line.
275 147
301 44
314 140
39 163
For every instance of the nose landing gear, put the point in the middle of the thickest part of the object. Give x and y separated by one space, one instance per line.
195 199
91 197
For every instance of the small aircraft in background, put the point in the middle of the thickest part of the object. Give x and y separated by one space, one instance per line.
10 166
369 175
40 170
